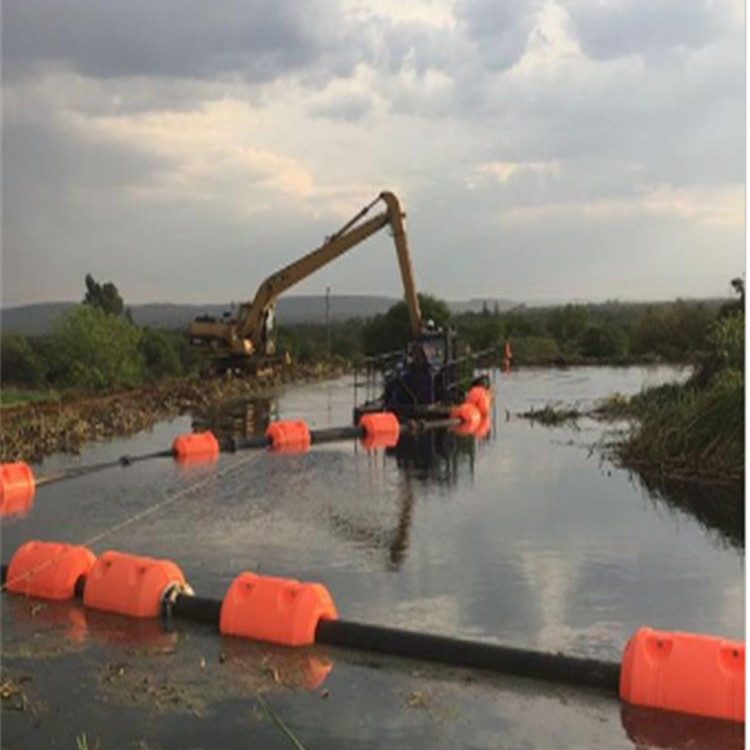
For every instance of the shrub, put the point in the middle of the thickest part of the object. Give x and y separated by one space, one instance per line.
160 353
19 363
602 341
92 350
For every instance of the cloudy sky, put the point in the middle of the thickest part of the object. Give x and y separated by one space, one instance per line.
543 149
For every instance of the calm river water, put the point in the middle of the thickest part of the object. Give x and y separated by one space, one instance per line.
529 538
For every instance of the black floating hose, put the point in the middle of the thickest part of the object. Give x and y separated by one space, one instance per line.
334 434
197 608
233 445
473 654
426 647
79 471
520 662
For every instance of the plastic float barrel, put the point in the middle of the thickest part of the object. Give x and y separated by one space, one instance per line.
684 672
382 430
289 437
197 447
48 570
276 610
469 416
131 585
16 488
481 398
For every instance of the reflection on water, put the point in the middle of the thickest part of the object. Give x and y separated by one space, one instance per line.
437 456
648 728
718 507
434 456
525 538
239 418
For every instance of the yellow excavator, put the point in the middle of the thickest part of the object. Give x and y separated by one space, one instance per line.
247 341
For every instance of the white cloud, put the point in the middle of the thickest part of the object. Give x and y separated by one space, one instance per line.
605 124
209 153
720 205
503 171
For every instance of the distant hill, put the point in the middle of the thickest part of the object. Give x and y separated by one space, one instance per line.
32 320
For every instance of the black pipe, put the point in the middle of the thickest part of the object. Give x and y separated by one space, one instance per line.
196 608
79 587
424 646
333 434
79 471
538 665
516 661
232 445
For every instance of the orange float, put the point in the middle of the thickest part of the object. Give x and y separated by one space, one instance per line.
129 584
481 398
382 430
276 610
684 672
197 447
469 416
17 488
48 570
289 437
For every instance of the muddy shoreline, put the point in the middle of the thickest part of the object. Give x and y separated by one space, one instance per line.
32 431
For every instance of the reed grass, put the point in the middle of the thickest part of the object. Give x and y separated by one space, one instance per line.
687 432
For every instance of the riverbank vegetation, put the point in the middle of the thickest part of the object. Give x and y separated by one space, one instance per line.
96 348
696 429
684 431
609 333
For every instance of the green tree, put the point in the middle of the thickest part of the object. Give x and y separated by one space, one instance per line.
161 354
736 305
568 324
602 341
676 331
104 296
93 350
386 333
20 363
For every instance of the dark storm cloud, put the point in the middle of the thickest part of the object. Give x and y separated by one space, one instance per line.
645 27
255 39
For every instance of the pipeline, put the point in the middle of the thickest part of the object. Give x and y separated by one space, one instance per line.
374 430
687 673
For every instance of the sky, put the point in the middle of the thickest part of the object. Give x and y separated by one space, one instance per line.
542 149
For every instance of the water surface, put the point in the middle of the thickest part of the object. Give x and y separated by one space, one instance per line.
528 538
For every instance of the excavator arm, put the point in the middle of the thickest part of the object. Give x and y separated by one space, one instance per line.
251 325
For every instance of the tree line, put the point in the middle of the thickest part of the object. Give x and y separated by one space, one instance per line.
615 332
96 347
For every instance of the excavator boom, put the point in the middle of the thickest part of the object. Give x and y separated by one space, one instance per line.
249 333
346 238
